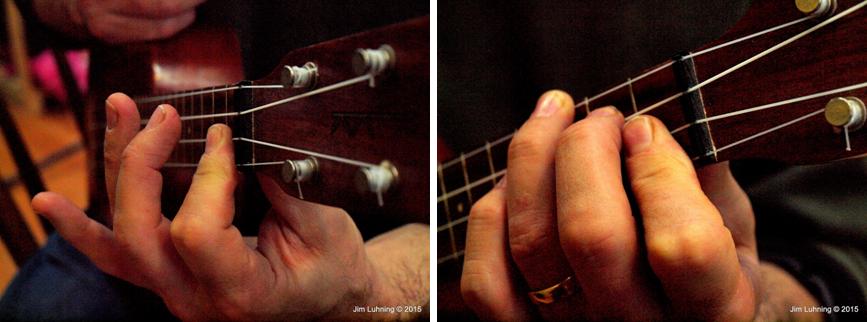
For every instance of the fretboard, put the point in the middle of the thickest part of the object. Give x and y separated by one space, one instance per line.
199 109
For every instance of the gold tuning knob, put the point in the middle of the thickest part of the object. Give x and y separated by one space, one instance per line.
816 7
845 112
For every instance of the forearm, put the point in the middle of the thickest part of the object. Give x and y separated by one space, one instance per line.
785 299
401 274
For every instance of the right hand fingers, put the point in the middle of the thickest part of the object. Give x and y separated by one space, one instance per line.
532 224
114 28
153 9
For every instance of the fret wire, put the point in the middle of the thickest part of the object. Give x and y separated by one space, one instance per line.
226 105
664 65
449 257
446 195
447 210
453 223
477 151
491 162
466 178
632 96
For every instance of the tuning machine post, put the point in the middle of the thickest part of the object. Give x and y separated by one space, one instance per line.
374 62
377 179
300 77
299 171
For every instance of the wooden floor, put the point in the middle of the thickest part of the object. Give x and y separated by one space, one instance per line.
46 136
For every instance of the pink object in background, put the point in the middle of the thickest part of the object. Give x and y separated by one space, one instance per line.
48 77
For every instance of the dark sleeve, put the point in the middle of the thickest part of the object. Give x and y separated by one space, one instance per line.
812 222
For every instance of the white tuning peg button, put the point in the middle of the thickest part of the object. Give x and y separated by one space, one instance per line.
374 61
300 77
377 179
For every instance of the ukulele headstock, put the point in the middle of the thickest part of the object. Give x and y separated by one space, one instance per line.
348 125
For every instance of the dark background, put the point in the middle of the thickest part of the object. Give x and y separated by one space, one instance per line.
495 58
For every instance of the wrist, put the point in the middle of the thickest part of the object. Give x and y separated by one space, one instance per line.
397 275
784 298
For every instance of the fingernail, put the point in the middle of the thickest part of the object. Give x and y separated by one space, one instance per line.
110 115
605 111
637 135
548 104
158 116
215 138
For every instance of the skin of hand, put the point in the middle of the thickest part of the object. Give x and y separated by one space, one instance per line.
309 261
117 21
688 252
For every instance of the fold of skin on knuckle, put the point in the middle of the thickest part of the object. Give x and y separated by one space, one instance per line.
528 239
595 247
525 147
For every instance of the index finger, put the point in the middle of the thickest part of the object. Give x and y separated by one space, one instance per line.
689 248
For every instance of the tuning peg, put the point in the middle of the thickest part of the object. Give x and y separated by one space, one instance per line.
847 113
377 179
300 77
299 171
373 61
816 7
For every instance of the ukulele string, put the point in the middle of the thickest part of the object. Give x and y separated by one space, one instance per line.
324 89
752 59
586 102
772 105
320 155
694 88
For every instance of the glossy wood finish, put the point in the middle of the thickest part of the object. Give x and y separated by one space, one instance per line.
386 122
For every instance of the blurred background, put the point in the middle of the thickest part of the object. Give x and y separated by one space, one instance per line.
40 142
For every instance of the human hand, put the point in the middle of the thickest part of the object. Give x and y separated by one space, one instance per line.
118 21
687 252
310 261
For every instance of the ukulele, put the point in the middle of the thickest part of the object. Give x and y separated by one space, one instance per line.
771 88
343 122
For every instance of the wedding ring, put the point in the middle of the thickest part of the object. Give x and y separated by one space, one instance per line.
554 293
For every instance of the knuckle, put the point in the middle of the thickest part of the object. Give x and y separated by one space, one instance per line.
586 132
526 240
186 233
694 248
485 211
525 145
590 248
